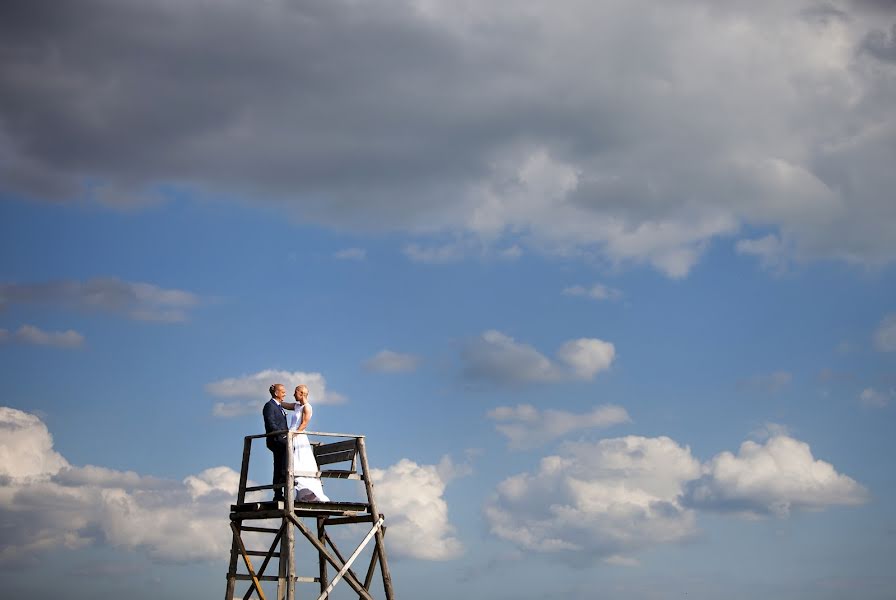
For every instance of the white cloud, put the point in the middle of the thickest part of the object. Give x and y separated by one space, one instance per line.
610 499
253 390
30 334
603 499
48 504
387 361
873 398
411 495
770 250
767 382
351 254
497 357
524 426
885 335
141 301
597 291
773 478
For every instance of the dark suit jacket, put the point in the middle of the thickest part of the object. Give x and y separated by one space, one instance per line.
274 420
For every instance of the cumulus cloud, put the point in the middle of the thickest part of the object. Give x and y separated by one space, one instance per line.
411 495
387 361
885 335
597 291
141 301
525 426
46 503
252 392
873 398
773 478
351 254
761 115
29 334
609 499
499 358
604 500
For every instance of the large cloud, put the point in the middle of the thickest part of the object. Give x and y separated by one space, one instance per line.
773 478
46 503
251 391
411 496
606 499
634 130
497 357
612 498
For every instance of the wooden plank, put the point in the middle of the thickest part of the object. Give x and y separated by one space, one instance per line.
342 558
341 474
335 457
336 447
320 433
239 541
258 488
349 578
261 529
348 520
351 559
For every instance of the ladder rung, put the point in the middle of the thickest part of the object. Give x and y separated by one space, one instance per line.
299 579
259 529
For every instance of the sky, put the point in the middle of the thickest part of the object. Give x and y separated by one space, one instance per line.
608 286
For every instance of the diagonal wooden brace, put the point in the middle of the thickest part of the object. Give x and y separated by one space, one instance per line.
351 559
350 579
264 564
239 541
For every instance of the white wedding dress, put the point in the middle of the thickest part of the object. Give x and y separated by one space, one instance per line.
308 488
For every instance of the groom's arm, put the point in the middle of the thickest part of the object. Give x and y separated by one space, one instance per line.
271 423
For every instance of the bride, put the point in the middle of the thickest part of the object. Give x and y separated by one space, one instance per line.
308 488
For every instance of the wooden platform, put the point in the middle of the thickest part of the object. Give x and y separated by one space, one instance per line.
268 510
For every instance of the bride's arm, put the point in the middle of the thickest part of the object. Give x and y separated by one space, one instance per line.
306 416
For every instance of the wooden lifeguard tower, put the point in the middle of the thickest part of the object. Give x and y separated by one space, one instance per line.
344 453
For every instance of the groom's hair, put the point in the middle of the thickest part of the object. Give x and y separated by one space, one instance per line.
273 387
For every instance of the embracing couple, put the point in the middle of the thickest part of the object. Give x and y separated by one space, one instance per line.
308 488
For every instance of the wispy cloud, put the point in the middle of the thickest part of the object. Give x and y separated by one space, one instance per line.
873 398
597 291
885 334
251 391
29 334
525 426
766 382
135 300
351 254
499 358
387 361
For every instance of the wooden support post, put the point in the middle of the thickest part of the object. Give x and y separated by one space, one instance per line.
374 514
287 549
244 471
231 569
322 562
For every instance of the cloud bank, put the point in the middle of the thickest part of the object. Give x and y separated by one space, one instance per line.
387 361
610 499
47 503
635 133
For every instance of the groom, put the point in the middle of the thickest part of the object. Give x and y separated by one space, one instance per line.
274 413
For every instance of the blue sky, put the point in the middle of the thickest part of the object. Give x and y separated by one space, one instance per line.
612 297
